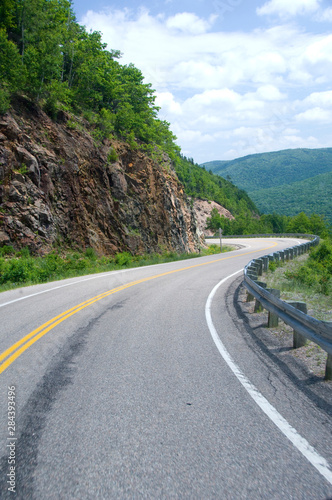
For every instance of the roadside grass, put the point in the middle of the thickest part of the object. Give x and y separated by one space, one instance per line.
19 268
299 280
284 277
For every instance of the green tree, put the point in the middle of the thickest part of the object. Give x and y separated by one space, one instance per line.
12 72
299 224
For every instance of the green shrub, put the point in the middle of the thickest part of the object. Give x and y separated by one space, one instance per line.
90 254
24 252
6 250
112 156
123 259
317 270
4 100
18 271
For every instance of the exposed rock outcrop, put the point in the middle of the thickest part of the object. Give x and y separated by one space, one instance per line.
203 211
58 187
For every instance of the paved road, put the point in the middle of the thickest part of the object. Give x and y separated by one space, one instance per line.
123 390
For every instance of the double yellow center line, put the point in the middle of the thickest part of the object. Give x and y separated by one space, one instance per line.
13 352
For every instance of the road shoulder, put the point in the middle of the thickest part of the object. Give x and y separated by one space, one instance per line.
278 348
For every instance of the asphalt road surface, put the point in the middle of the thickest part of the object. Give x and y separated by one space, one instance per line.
141 384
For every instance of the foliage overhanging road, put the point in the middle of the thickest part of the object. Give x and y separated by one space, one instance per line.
127 396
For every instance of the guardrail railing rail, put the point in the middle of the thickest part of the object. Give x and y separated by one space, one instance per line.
310 328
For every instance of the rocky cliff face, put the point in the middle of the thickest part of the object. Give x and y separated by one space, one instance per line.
58 188
203 208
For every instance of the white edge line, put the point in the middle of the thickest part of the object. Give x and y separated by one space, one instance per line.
296 439
94 277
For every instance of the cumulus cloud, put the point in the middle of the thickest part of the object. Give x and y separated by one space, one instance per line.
187 22
319 99
288 8
228 93
316 114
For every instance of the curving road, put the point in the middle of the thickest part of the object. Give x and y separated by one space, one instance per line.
142 384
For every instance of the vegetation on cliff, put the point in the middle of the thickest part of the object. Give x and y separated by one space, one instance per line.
199 183
46 55
48 58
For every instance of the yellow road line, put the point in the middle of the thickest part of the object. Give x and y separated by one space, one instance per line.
22 345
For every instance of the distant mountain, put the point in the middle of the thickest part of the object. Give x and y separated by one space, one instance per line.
286 182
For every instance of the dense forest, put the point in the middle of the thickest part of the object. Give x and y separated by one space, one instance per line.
288 181
310 195
46 56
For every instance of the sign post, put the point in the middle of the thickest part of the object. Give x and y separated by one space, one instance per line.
220 233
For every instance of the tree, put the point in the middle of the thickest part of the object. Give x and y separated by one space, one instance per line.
12 72
299 224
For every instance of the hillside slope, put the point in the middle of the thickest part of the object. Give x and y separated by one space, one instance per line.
272 179
58 188
310 196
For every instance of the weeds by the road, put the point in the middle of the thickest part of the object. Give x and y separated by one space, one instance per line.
19 268
308 279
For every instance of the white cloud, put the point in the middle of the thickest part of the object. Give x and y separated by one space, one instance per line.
316 114
167 102
288 8
325 15
187 22
270 93
320 50
319 99
267 84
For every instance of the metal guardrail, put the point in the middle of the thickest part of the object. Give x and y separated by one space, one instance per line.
312 329
266 235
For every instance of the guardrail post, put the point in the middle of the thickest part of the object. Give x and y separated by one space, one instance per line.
328 369
252 275
258 306
273 318
282 255
256 267
265 263
298 339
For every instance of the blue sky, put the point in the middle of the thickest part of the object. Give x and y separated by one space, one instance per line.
232 77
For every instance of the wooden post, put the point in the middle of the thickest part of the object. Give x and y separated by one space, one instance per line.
328 369
258 306
265 263
298 339
273 318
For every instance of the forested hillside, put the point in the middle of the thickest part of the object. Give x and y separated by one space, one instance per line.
100 139
288 181
310 195
48 56
199 183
